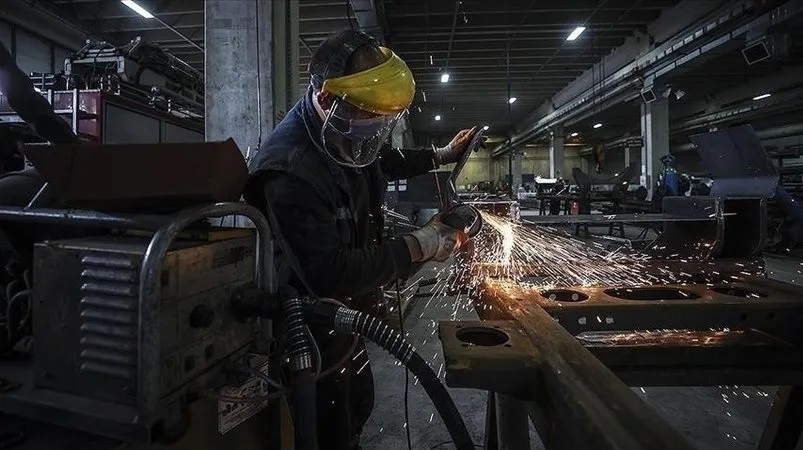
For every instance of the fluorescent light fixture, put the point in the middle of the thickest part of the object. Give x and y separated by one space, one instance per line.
576 33
137 9
444 78
575 134
762 96
512 100
438 117
597 125
485 128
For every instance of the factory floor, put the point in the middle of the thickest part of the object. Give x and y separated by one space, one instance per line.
712 418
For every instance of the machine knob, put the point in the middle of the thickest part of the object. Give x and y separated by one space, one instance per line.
202 317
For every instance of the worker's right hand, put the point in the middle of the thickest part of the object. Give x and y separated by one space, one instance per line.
434 241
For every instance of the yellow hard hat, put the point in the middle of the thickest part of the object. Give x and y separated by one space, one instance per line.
386 89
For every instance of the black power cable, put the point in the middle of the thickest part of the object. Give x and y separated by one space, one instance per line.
406 372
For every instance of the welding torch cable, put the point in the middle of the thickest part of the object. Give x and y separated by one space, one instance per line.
350 321
354 343
316 351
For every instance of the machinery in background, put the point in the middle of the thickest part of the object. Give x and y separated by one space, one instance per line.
135 93
610 194
785 217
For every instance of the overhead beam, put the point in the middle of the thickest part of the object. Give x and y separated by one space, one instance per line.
158 36
367 18
634 62
44 22
507 12
530 51
137 26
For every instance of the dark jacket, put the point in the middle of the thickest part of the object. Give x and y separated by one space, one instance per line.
314 206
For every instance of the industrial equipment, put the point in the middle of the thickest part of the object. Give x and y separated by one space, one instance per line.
135 93
128 326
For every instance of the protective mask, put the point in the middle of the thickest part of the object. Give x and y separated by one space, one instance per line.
354 142
363 129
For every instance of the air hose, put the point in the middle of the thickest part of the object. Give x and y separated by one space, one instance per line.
303 392
350 321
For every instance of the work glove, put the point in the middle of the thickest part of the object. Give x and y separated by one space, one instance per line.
454 150
443 234
434 241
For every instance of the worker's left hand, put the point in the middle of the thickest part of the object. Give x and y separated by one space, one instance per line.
435 241
452 152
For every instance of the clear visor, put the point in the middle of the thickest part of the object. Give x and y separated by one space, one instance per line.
353 137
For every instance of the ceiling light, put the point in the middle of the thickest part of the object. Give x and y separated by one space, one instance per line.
444 78
575 134
438 117
512 100
597 125
137 9
762 96
576 33
485 128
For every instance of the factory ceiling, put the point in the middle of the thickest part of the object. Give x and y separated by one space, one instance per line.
492 50
112 21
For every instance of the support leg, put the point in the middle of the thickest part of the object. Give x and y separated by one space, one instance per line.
785 423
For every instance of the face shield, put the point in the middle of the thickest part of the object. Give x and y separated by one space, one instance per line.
367 107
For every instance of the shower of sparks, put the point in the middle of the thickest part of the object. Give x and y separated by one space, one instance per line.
545 257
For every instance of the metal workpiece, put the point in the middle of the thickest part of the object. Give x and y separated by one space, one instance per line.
753 302
569 353
576 388
493 355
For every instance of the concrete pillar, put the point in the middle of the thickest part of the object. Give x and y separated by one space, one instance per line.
285 72
627 157
556 154
397 136
516 182
655 130
251 68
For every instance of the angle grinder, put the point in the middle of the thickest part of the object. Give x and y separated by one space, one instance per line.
460 215
463 217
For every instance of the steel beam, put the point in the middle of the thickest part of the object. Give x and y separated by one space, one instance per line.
34 16
367 18
522 12
785 423
582 391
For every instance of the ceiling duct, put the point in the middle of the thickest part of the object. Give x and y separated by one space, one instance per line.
773 46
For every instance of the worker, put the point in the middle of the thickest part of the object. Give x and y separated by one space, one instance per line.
324 172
